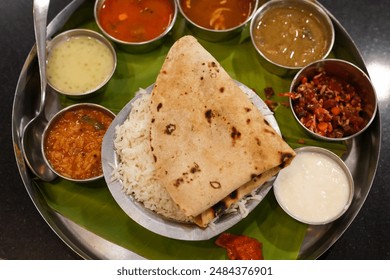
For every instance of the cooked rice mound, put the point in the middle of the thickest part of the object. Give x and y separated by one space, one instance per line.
136 165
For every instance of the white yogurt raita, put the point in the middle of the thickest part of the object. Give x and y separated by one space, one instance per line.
314 188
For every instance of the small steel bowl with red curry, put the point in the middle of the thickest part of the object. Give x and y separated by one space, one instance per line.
333 99
72 141
136 25
217 20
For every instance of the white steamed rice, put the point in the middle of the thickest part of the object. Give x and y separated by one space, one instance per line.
136 165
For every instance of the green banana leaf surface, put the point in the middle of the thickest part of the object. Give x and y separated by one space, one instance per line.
92 206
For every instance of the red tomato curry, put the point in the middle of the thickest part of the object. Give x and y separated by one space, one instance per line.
135 20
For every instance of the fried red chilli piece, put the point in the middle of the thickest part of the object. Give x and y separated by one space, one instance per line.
240 247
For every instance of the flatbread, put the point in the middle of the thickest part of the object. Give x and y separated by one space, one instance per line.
207 138
211 213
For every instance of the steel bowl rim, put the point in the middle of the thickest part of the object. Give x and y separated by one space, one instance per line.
99 3
52 120
331 155
269 5
89 33
295 81
219 31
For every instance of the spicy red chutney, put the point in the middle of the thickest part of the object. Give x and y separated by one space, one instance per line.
329 106
240 247
135 20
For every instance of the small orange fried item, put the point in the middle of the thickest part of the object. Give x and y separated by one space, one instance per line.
240 247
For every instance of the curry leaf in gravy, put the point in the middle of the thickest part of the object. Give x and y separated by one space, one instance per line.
96 124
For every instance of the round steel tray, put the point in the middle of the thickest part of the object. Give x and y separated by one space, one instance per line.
362 160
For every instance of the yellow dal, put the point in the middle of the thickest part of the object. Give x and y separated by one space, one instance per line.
79 65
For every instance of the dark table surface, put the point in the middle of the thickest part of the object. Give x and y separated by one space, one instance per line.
25 235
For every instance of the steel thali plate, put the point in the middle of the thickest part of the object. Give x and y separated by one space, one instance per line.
362 160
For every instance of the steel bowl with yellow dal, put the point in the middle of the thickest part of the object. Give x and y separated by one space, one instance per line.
80 62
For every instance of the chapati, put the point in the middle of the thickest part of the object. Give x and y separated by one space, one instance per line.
206 136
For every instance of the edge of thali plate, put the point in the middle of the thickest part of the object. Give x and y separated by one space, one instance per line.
315 244
149 219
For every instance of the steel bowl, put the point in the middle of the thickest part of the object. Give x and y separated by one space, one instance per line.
136 47
304 193
90 34
54 120
316 13
214 35
347 72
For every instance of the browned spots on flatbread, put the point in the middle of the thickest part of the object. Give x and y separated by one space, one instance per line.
155 158
219 208
224 204
212 64
159 106
269 131
178 182
248 121
247 109
195 168
258 141
164 72
266 122
285 159
186 176
255 177
235 134
215 184
213 69
209 115
221 89
233 194
170 128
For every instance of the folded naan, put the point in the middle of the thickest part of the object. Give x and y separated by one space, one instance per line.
209 142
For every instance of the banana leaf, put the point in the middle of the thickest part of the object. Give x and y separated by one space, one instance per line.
92 206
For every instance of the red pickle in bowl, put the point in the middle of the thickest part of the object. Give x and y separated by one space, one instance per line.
329 106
